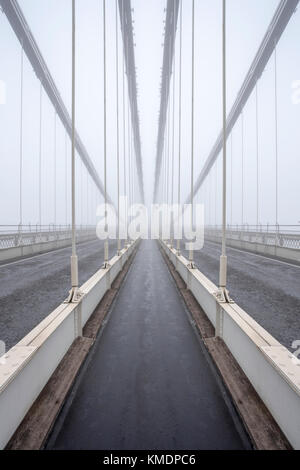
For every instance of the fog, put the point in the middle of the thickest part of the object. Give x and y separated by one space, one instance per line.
50 22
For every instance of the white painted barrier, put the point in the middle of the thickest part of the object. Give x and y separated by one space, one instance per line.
26 368
272 370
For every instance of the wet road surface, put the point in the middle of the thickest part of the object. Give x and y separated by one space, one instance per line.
30 289
148 384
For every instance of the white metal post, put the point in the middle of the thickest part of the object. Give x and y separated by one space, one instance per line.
40 156
106 254
118 129
173 128
74 294
222 293
21 140
179 130
191 253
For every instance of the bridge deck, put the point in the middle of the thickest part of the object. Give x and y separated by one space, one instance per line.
267 289
44 282
148 383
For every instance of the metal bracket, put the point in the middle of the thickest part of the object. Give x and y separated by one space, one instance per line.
222 296
106 265
74 297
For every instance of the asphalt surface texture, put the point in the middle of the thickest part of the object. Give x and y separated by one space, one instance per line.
267 289
148 383
30 289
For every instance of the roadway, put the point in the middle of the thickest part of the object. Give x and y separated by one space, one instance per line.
148 383
267 289
31 288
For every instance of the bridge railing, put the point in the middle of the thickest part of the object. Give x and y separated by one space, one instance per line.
12 236
283 236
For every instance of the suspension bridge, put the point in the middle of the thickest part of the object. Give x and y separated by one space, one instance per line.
128 343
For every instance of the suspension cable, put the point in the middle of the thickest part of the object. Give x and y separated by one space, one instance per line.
168 154
134 199
118 129
129 148
132 166
173 123
40 155
179 124
169 130
231 178
276 133
162 175
210 182
21 138
105 132
66 178
216 190
55 171
242 125
223 258
257 157
87 198
191 254
124 126
165 170
74 260
207 200
81 192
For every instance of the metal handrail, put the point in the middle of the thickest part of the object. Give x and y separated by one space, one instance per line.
284 236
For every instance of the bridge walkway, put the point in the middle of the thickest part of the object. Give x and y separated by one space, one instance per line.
148 383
